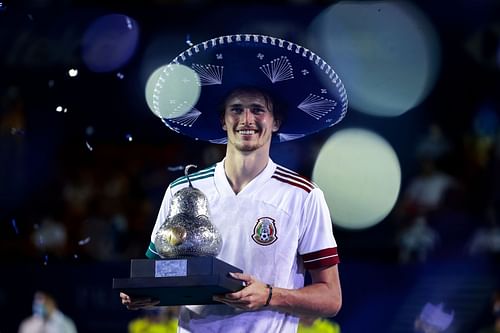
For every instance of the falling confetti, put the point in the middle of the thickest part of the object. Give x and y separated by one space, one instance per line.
89 147
175 168
120 76
188 41
73 72
129 23
46 260
51 83
89 130
75 256
61 109
129 137
84 241
14 225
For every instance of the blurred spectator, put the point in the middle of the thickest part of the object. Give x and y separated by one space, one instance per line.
50 237
156 320
422 198
495 327
434 144
433 319
486 239
317 325
46 317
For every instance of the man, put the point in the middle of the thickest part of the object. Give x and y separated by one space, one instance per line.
46 317
275 224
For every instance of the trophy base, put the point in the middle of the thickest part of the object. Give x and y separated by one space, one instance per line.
179 281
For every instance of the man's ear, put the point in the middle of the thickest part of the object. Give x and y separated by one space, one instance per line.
276 125
223 123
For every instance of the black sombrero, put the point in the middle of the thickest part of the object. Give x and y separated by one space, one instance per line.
207 72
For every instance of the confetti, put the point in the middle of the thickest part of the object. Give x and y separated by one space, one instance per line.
75 256
89 147
175 168
46 260
73 72
89 130
84 241
51 83
120 76
129 23
129 137
188 41
14 225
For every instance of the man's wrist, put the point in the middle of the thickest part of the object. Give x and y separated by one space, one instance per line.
270 295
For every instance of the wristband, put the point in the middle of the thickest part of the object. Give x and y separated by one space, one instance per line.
270 294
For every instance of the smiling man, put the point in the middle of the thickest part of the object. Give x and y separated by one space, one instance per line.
275 224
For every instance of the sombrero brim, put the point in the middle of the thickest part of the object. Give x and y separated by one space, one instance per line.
313 93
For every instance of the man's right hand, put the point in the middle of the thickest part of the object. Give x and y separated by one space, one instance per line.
136 303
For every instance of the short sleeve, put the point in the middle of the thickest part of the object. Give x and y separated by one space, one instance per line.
317 245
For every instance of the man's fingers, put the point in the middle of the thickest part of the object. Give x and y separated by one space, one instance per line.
241 276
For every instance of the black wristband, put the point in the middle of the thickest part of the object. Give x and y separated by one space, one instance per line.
270 294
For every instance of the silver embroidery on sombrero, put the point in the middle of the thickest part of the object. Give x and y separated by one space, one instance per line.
278 69
288 136
221 141
209 74
317 106
187 119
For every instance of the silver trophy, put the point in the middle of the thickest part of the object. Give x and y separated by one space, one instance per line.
189 272
187 230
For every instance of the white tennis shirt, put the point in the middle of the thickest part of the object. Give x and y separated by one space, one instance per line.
275 228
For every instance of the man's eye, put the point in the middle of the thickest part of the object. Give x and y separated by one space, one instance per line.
258 110
237 110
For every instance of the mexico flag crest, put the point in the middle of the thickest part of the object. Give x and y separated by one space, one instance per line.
264 232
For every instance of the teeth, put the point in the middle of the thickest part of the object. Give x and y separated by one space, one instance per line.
246 132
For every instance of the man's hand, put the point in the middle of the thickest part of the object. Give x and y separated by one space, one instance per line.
252 297
136 303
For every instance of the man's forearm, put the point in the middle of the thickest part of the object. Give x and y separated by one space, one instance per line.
318 299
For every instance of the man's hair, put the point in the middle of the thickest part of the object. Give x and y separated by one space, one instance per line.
276 106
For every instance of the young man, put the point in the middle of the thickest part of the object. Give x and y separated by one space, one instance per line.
274 223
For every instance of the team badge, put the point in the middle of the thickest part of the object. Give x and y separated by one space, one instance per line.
264 232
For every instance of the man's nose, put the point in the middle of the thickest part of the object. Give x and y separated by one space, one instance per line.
247 116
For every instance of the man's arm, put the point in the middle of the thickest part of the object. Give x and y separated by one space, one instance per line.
322 298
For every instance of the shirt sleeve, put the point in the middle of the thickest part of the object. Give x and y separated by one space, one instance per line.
317 245
151 252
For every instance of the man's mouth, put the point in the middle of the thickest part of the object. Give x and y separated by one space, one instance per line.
247 131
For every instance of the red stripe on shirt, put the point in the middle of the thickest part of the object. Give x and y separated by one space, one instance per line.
322 258
291 182
294 175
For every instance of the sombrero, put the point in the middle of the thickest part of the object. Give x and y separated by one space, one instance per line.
190 89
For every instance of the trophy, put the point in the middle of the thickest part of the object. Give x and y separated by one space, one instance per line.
188 243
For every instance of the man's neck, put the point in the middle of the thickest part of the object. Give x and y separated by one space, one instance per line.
242 167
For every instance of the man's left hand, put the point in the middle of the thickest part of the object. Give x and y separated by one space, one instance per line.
252 297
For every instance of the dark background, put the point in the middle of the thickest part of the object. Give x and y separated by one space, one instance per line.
80 169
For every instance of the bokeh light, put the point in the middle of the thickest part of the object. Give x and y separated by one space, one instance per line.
172 90
386 52
360 176
109 42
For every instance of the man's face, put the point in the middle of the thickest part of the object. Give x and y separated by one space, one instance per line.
249 121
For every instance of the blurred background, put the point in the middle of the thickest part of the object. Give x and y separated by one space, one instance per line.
411 175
